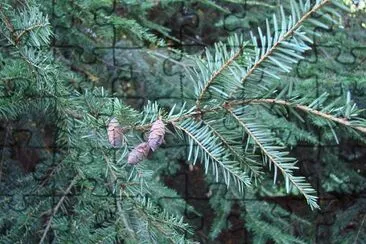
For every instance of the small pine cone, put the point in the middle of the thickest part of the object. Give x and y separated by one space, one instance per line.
139 153
115 133
156 136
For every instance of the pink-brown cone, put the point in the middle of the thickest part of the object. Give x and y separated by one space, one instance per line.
156 136
139 153
115 133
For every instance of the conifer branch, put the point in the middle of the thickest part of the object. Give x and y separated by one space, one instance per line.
215 66
307 109
78 124
283 37
29 29
58 205
239 158
360 228
6 20
224 65
272 154
205 143
8 25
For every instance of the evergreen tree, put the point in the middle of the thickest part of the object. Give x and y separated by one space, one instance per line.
93 165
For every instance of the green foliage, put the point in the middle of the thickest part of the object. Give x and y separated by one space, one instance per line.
230 76
354 215
85 190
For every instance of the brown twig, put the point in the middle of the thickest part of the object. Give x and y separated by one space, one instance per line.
8 25
58 205
359 230
229 104
342 121
29 29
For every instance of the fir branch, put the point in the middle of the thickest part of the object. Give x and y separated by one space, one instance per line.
307 109
360 228
262 56
226 61
115 180
6 20
212 152
126 222
151 217
29 29
8 25
145 208
58 205
268 231
265 142
254 171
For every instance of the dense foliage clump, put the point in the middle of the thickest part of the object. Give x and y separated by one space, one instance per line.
106 104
